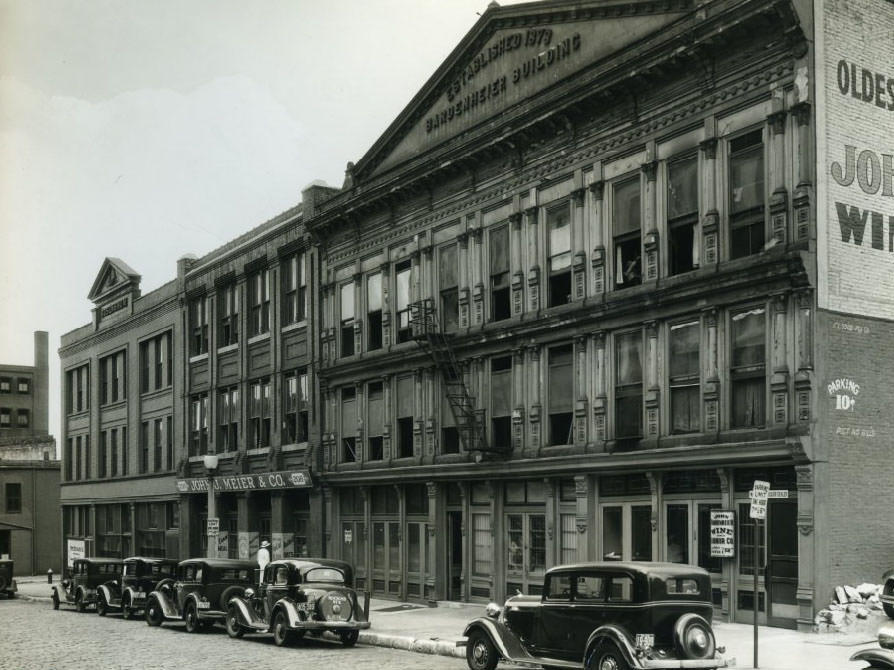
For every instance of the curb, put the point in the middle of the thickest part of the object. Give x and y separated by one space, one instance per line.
431 646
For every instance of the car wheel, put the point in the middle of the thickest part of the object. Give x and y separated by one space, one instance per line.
282 635
888 590
79 603
154 615
102 607
481 654
126 611
349 637
607 657
55 600
234 630
193 623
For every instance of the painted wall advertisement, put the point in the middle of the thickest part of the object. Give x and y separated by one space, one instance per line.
855 216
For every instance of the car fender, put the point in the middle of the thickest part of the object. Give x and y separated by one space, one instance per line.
877 658
110 592
167 606
617 636
291 610
503 638
129 590
87 595
245 614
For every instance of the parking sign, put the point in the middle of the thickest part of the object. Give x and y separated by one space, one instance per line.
759 493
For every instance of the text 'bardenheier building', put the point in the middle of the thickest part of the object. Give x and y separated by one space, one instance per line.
613 263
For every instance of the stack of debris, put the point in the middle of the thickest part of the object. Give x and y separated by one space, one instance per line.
853 609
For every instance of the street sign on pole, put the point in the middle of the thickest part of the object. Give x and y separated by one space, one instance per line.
759 493
213 526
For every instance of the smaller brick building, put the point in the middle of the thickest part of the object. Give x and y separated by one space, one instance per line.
29 469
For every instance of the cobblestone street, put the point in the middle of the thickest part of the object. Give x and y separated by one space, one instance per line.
36 637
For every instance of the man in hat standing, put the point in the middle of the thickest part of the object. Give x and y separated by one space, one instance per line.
263 557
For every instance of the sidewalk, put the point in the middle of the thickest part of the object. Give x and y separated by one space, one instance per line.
438 630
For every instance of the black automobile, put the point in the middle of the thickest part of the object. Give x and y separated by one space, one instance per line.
81 586
881 656
138 578
199 593
603 616
8 586
298 596
887 596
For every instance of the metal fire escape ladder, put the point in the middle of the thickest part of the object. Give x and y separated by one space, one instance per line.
470 421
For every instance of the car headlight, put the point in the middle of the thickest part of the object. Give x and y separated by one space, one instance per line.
249 592
693 637
492 610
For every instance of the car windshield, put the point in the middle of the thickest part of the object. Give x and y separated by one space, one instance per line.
330 575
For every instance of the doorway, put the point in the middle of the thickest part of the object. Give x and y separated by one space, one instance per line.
386 577
525 552
455 556
782 563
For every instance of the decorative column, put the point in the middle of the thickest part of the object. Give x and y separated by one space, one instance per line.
436 553
653 392
599 401
711 218
580 404
597 256
534 258
281 541
533 447
464 313
358 421
650 225
579 264
553 544
711 395
728 565
518 401
385 269
804 344
418 421
582 515
430 412
779 380
477 282
387 413
802 195
331 512
779 197
517 264
806 546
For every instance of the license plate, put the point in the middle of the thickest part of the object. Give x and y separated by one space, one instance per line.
139 596
644 640
204 605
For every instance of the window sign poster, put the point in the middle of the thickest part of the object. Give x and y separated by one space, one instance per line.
75 550
723 533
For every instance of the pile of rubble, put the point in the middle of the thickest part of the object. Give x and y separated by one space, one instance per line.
853 609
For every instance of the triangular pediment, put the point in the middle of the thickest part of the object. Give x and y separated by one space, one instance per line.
514 54
114 278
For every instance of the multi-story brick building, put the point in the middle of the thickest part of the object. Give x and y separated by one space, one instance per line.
600 276
121 391
29 468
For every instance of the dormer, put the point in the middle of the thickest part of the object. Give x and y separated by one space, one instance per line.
116 287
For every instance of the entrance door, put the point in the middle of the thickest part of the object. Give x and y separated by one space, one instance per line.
627 532
525 552
455 554
417 547
386 558
782 563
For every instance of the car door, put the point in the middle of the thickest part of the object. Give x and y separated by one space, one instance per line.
554 629
590 591
277 584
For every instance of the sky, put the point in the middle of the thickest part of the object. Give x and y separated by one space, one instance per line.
147 130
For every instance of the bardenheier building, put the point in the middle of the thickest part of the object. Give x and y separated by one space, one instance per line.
613 263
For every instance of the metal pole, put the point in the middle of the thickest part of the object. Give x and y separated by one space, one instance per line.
757 524
212 513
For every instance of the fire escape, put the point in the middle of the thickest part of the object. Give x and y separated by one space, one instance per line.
470 421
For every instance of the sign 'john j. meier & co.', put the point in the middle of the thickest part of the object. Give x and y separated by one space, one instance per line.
258 481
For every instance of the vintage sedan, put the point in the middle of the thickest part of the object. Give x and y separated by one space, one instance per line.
137 580
8 586
881 656
298 596
200 592
81 586
887 596
603 616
